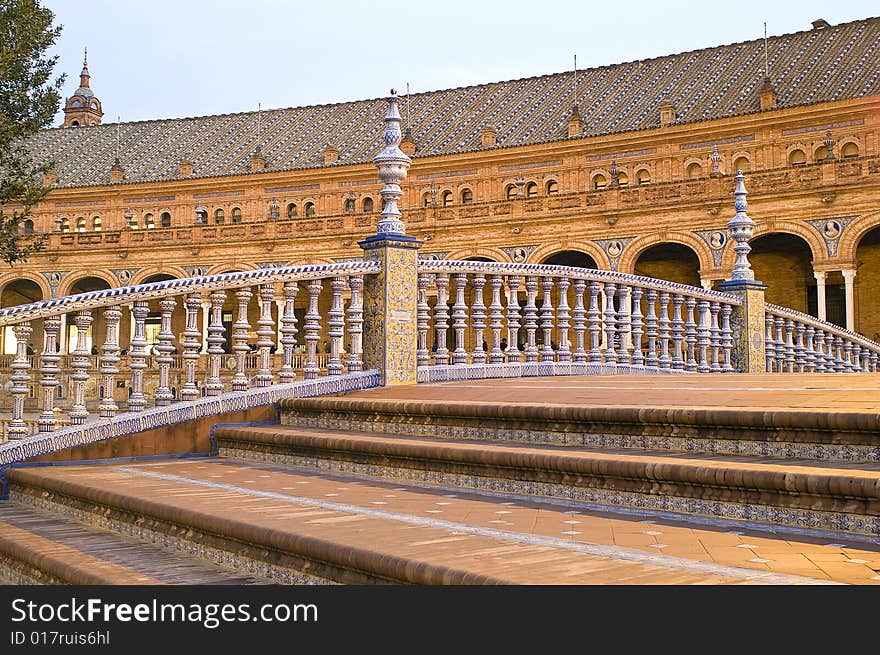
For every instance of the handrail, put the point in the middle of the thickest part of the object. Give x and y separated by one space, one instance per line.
806 319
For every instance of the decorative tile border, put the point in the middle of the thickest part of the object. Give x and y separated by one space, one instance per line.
448 373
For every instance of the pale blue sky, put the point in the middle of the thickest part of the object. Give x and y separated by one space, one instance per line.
165 59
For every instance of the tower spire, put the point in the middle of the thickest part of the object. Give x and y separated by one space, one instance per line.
83 108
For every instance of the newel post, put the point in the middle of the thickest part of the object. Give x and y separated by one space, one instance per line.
747 322
390 329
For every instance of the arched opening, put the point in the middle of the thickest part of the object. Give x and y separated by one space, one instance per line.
219 217
797 157
165 219
741 164
478 258
849 151
467 196
674 262
599 182
510 192
532 190
75 123
21 292
81 224
28 226
643 176
446 198
65 224
97 224
349 206
571 258
149 221
820 154
552 187
291 210
784 263
310 209
368 205
867 285
622 179
693 170
426 200
236 214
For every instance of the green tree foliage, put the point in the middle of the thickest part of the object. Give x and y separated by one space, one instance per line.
29 100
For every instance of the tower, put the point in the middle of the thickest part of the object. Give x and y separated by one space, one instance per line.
82 108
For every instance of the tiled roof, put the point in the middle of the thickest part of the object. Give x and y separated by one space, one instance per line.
807 67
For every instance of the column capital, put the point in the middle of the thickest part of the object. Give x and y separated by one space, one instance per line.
820 276
848 275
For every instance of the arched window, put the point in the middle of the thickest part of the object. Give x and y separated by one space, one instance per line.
446 198
291 210
310 209
622 179
75 103
599 182
426 200
219 217
849 150
65 224
349 205
693 170
797 158
467 196
149 221
643 176
510 192
820 154
368 205
552 187
81 224
97 223
165 219
532 190
75 123
236 214
741 164
28 226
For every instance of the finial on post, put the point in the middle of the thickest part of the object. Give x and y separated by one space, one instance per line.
392 164
741 229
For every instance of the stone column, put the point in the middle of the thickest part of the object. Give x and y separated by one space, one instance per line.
706 283
820 295
206 319
848 277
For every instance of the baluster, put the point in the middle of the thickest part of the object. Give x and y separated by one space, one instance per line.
20 381
478 313
580 322
664 331
856 358
240 339
109 359
191 346
726 338
312 328
821 360
213 383
356 323
610 313
769 343
715 336
638 358
547 322
165 346
651 328
563 315
82 363
496 322
140 309
441 319
703 336
677 332
847 355
800 353
810 349
789 346
780 344
46 421
459 319
593 317
266 335
690 334
423 318
839 364
873 367
830 356
623 324
531 319
513 316
336 325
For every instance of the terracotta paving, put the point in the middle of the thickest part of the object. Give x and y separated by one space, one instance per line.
515 540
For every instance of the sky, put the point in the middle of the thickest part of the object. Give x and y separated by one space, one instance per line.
169 59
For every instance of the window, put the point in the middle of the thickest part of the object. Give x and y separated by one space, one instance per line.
510 192
849 151
219 217
741 164
368 205
446 198
797 158
820 154
75 123
643 176
28 226
97 223
426 200
291 210
149 221
65 224
94 104
236 214
349 205
165 219
599 182
467 196
622 179
531 190
81 224
310 209
552 187
75 103
693 170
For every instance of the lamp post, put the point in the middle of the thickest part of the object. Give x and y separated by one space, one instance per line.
129 218
274 212
201 214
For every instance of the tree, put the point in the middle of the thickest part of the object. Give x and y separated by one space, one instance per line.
29 100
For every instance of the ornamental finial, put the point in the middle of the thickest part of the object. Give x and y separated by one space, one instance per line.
392 164
741 229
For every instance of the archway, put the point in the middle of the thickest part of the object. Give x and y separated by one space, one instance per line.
574 258
784 263
674 262
20 292
867 284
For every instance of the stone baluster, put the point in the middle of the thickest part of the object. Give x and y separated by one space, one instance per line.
81 363
266 335
789 346
240 339
49 370
478 314
496 319
727 338
830 353
677 332
610 324
856 357
547 320
213 383
356 324
780 344
423 320
769 343
704 332
165 346
623 324
513 317
459 319
839 363
819 345
288 331
191 346
312 329
800 353
638 359
109 360
580 323
336 325
715 336
137 352
651 333
690 334
810 349
563 315
847 355
664 331
531 318
441 319
20 378
873 367
593 325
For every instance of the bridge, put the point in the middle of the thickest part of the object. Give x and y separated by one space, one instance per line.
438 422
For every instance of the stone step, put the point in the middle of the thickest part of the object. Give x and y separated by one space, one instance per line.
807 493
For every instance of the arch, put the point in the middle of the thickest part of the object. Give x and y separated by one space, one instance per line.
551 187
867 283
291 210
368 205
575 258
669 260
21 290
27 226
467 196
446 198
634 250
622 178
478 258
309 209
219 216
81 224
741 163
157 274
349 205
85 282
236 214
532 190
97 223
820 153
849 150
784 262
693 170
808 234
643 176
855 231
232 268
592 250
511 192
149 221
165 219
465 254
426 199
797 157
65 224
599 182
74 123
